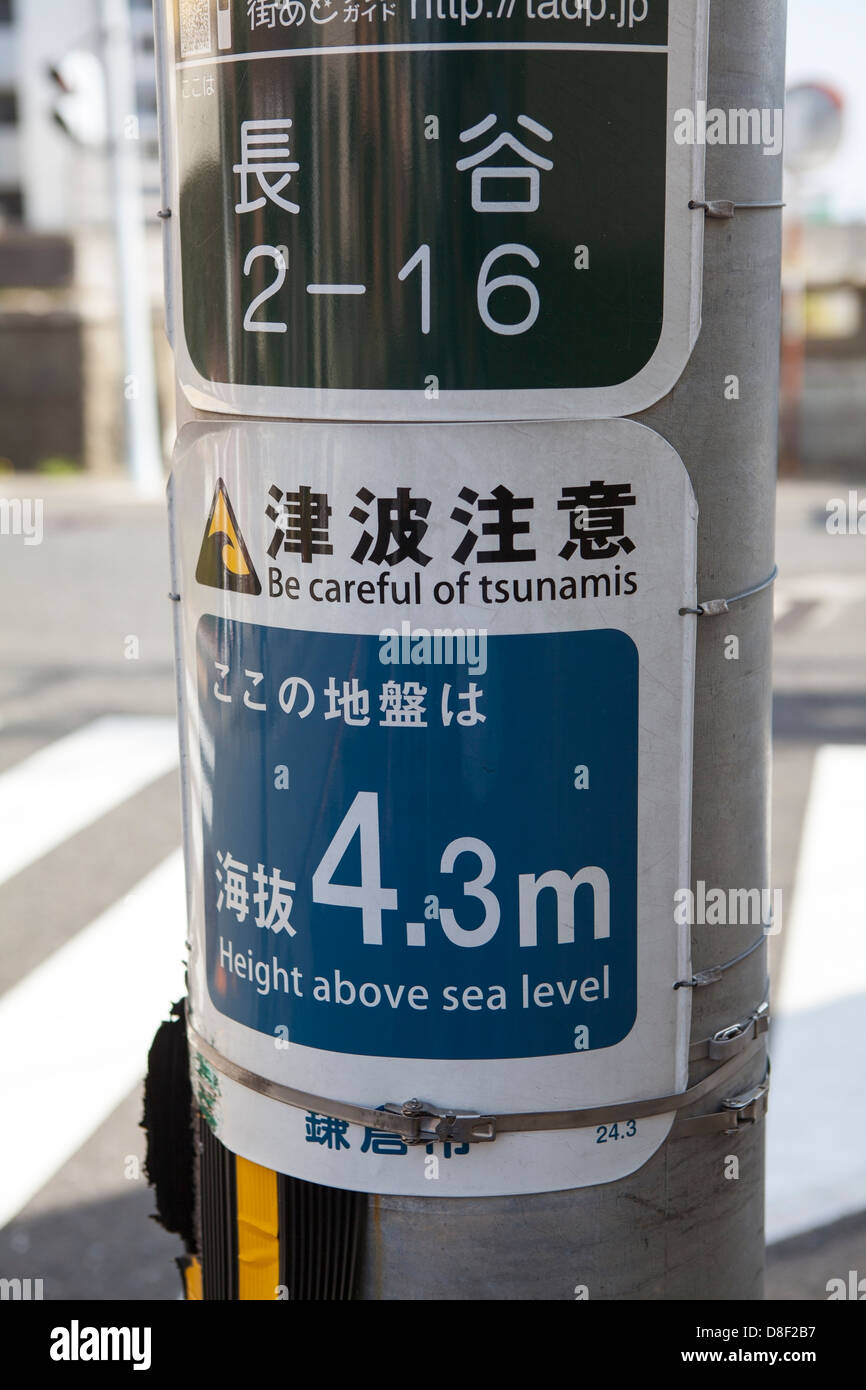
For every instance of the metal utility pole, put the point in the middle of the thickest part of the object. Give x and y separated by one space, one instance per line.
143 445
437 337
678 1228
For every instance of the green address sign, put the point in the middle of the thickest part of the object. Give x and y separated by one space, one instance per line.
432 209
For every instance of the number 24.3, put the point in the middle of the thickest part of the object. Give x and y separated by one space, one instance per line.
606 1132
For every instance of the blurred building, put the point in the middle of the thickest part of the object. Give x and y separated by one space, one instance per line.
11 202
824 351
40 175
824 266
61 381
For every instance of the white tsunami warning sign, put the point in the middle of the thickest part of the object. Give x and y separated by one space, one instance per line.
437 702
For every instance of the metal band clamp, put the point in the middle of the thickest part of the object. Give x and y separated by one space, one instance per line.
451 1127
738 1112
727 1042
410 1118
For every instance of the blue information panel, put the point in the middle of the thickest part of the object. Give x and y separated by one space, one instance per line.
397 859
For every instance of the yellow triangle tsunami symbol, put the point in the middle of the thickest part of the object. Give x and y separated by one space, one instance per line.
224 561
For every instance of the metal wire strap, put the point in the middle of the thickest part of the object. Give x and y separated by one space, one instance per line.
712 607
714 973
418 1122
724 209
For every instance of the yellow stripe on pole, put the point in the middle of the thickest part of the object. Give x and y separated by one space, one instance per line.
192 1281
258 1231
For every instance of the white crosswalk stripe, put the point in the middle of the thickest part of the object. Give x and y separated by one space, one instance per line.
69 784
816 1126
74 1034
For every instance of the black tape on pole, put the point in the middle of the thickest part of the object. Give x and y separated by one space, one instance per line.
320 1233
217 1206
168 1122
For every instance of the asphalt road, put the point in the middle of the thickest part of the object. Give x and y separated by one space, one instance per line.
87 681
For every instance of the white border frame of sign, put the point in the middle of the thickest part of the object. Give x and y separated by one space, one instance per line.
687 80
